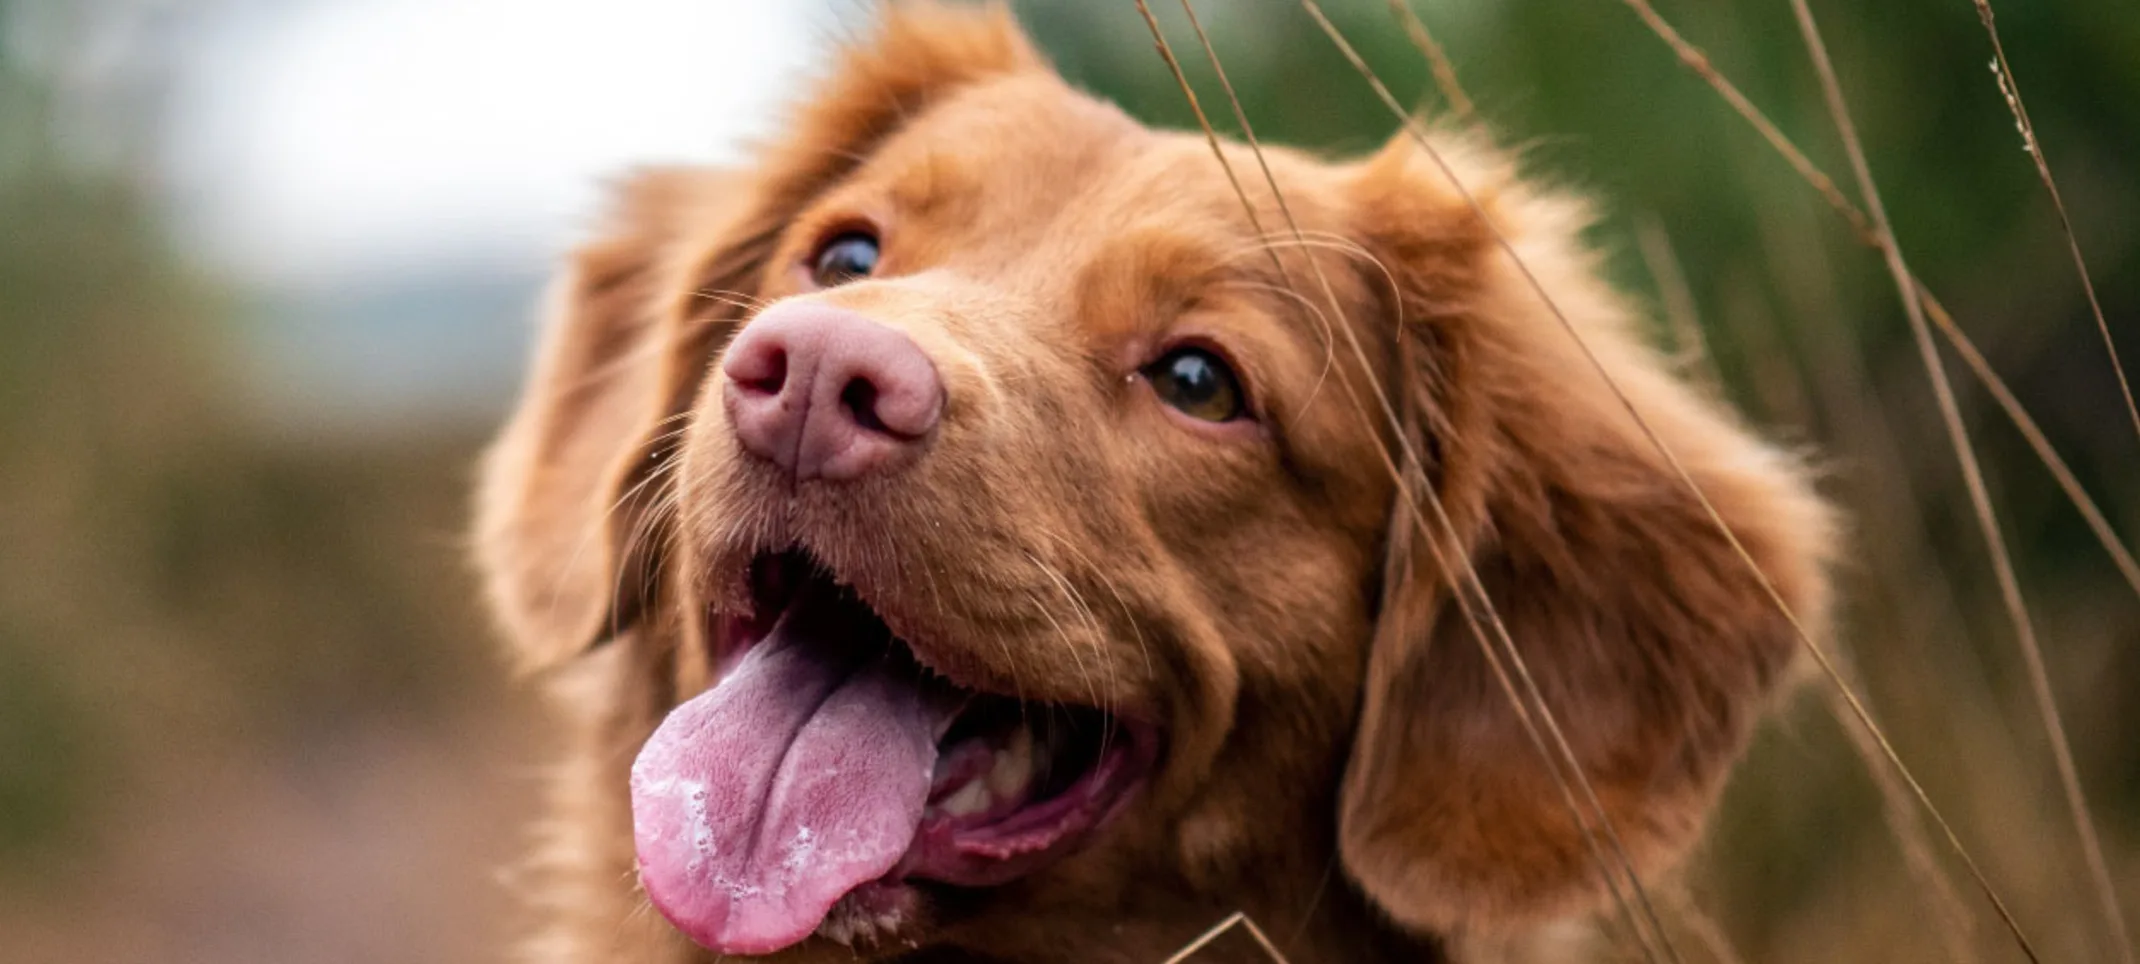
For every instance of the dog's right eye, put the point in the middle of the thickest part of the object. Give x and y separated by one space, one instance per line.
1198 384
843 259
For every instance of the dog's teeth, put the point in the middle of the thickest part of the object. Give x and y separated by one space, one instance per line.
971 799
1014 764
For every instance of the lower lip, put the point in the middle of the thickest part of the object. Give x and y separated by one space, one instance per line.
1032 836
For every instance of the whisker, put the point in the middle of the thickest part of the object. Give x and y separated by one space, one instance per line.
596 531
651 525
1063 585
1010 660
1091 620
749 303
639 353
1129 617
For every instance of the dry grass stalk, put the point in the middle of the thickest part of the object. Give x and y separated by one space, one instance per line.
1415 482
2009 87
1950 412
1698 62
1706 931
1690 352
1218 930
1410 469
2033 434
2092 848
1444 72
1921 297
1820 656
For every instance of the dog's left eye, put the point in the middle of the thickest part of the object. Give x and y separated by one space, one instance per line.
844 259
1198 384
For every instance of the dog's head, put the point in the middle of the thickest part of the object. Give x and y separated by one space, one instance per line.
1044 550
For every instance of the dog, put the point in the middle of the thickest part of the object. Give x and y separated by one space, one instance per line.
978 530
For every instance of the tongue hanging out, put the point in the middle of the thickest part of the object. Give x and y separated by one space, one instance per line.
801 776
827 764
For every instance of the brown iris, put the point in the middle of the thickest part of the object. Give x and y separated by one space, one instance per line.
1198 384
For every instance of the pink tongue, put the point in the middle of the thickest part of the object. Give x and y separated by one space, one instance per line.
800 776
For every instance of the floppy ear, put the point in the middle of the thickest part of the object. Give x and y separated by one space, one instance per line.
560 511
567 535
1654 646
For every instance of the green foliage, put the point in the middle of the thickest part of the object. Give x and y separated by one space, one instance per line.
46 761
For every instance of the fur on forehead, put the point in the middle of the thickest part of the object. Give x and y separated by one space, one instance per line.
916 54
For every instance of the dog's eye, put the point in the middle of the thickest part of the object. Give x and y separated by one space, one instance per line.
844 259
1197 383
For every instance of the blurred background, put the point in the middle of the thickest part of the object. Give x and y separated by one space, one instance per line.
266 272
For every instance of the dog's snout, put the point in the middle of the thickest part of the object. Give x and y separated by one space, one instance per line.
826 393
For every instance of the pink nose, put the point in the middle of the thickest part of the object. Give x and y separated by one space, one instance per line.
825 393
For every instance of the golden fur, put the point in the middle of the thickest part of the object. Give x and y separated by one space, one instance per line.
1340 762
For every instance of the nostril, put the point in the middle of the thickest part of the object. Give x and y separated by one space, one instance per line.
826 393
859 398
766 372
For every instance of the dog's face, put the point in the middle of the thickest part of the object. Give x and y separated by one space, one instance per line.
1037 551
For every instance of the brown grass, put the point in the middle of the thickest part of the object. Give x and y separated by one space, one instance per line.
2011 88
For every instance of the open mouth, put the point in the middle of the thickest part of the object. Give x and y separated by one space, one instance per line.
831 762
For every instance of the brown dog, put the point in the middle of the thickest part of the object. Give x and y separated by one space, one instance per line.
971 534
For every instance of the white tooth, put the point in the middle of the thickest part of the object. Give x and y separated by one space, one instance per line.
971 799
1014 764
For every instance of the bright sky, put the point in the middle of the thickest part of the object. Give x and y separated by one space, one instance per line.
317 141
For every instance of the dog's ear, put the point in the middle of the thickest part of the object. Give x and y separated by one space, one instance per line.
1653 644
568 535
559 511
